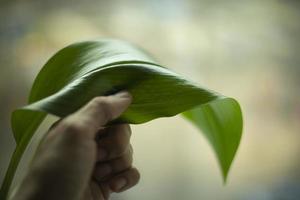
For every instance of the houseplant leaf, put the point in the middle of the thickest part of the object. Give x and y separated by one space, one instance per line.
81 71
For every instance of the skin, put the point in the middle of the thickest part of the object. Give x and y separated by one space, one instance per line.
81 159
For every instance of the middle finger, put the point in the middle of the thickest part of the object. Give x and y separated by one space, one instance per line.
114 142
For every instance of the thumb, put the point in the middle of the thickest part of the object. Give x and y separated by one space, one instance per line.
100 110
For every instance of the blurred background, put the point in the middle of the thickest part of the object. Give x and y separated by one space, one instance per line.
245 49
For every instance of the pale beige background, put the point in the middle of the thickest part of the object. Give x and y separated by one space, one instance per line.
245 49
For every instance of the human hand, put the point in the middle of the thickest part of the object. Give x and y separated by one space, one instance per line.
80 158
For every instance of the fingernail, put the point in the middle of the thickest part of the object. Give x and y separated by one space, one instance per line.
123 94
102 154
119 184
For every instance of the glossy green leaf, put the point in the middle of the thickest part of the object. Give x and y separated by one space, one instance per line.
81 71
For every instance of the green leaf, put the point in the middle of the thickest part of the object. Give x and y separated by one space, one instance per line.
81 71
221 122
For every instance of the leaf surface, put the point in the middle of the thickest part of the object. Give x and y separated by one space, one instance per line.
81 71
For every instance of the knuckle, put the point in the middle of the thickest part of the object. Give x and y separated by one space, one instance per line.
127 161
130 150
74 129
136 175
124 132
128 130
119 149
122 164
